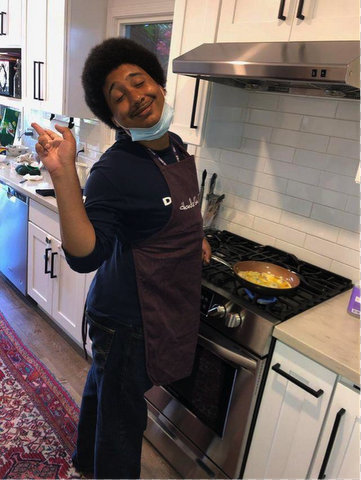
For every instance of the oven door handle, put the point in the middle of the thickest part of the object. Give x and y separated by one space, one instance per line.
227 354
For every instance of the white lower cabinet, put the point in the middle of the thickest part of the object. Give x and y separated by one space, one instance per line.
57 289
291 415
52 284
338 454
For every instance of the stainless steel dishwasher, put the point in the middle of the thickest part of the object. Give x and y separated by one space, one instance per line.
14 208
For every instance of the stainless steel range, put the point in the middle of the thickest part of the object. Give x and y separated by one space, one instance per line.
203 423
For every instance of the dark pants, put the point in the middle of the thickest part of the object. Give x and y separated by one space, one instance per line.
113 414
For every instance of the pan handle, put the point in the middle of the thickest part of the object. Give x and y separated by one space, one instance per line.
221 260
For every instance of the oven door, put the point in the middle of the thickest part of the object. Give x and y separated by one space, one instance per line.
202 421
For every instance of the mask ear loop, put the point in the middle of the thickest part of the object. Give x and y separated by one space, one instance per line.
117 124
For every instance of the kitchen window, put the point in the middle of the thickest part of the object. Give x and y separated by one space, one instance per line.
155 36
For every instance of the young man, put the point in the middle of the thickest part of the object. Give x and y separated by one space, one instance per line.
141 228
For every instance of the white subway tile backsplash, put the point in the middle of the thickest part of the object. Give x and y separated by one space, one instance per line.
346 271
235 187
327 162
307 106
333 251
263 101
224 134
208 152
259 237
349 239
335 217
228 114
348 110
285 202
347 148
258 209
279 231
275 119
226 96
308 225
331 127
236 216
339 183
304 254
257 132
292 172
267 150
353 205
317 194
241 159
292 138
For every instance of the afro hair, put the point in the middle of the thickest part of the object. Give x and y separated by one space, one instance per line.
106 57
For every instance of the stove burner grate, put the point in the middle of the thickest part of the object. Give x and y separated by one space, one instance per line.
317 284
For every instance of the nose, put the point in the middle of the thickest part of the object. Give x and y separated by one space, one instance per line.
136 96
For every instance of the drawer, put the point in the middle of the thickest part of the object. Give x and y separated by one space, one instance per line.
44 218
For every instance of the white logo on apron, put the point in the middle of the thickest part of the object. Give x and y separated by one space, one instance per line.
192 203
167 201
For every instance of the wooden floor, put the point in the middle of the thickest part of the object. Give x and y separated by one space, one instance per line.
64 359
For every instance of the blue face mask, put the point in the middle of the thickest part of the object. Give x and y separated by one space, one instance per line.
157 131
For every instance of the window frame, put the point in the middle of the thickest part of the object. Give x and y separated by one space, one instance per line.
120 15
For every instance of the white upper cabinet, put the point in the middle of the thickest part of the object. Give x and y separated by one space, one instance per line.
11 23
59 37
194 23
288 20
255 21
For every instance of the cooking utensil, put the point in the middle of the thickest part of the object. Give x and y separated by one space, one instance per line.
213 205
263 267
212 185
201 193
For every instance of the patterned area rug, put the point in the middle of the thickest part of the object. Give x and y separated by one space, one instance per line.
38 418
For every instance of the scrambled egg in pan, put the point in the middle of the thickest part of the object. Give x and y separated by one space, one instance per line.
265 279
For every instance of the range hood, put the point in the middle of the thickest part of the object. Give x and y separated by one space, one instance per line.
304 68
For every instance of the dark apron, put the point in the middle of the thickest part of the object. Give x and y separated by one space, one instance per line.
168 269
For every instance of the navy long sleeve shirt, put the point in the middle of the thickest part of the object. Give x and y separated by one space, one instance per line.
127 201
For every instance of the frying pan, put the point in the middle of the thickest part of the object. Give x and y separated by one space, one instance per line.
263 267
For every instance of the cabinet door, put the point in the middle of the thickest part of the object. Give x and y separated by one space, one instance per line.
36 36
338 455
290 418
194 23
11 23
39 283
68 296
327 20
256 21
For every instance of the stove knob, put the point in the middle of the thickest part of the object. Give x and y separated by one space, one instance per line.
217 311
234 320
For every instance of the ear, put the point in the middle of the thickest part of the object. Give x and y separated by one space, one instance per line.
163 90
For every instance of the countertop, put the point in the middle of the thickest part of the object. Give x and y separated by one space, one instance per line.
327 334
12 178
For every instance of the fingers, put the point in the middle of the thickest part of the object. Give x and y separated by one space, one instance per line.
65 131
39 130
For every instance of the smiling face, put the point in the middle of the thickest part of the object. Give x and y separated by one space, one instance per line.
134 98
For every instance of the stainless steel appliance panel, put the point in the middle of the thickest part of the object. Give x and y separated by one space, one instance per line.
13 236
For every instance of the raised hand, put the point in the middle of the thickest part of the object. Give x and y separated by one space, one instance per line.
57 152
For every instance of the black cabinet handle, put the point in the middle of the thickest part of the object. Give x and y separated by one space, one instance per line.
314 393
195 99
37 84
299 15
331 441
52 265
46 257
2 23
281 10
